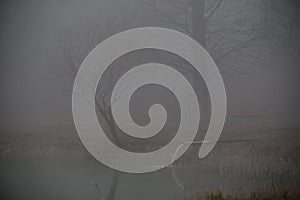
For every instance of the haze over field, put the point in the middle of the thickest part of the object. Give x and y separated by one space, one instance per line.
34 92
255 45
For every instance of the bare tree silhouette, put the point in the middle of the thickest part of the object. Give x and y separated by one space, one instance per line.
222 29
72 47
218 26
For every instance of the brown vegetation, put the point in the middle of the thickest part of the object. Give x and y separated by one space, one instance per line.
291 194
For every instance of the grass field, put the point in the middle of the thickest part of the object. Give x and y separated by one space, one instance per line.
292 194
258 165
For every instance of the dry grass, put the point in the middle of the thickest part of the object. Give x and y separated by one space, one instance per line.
292 194
267 162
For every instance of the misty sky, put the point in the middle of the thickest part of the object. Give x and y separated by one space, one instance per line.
33 93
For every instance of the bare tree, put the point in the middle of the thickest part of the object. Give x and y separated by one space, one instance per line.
218 26
223 28
72 47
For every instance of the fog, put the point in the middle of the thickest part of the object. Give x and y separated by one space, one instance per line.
32 92
255 45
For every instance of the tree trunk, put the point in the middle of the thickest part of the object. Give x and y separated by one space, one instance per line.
113 188
198 21
199 34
